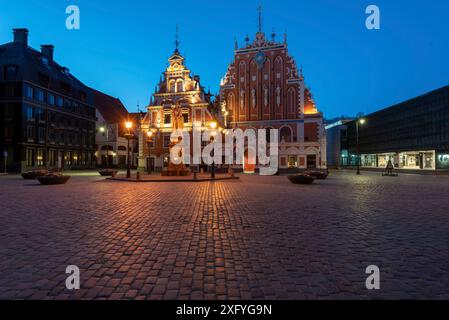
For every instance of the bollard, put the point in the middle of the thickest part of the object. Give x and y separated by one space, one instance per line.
195 176
138 176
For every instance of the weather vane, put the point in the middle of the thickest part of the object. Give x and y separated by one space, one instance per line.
177 37
259 9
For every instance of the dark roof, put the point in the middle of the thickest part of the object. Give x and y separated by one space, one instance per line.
33 66
111 109
416 102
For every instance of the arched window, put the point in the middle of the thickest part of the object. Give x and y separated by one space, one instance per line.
230 104
242 99
285 134
242 71
121 148
179 86
172 86
291 100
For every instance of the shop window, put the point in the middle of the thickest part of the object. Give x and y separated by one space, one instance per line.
30 157
52 157
443 161
40 158
311 161
292 161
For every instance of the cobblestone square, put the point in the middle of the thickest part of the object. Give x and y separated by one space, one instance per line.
253 238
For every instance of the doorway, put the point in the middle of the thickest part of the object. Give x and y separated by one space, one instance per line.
311 161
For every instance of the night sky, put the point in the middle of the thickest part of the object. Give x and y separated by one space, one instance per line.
122 46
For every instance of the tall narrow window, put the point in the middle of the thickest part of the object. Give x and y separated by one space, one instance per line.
29 92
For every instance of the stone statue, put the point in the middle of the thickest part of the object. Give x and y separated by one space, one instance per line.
178 120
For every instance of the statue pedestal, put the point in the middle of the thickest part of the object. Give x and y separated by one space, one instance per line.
176 170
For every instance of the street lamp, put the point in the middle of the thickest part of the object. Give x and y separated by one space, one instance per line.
357 123
128 135
213 126
103 130
149 136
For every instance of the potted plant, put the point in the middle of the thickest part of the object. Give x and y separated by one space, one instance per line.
31 175
301 179
107 172
53 178
317 174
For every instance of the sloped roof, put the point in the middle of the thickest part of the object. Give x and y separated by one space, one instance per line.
111 109
33 63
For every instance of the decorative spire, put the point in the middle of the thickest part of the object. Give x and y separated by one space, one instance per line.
177 38
236 44
259 9
285 37
247 39
273 36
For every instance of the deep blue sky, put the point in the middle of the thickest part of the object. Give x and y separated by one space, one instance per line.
122 46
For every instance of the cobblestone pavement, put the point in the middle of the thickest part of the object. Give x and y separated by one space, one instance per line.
254 238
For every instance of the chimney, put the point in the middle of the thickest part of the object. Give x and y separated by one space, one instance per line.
47 51
21 36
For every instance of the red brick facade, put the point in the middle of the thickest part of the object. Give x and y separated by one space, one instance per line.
263 88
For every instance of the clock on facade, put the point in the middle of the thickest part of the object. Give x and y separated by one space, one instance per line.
260 59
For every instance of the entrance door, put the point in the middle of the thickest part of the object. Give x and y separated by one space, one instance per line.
249 163
311 161
150 164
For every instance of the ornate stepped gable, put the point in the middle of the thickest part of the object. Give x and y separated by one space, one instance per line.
177 94
263 83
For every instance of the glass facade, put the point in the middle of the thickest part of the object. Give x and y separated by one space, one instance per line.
416 160
412 135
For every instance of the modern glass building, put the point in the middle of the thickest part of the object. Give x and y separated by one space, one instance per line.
412 135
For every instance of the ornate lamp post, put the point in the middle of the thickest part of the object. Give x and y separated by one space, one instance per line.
225 113
213 126
128 136
361 122
104 129
149 139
